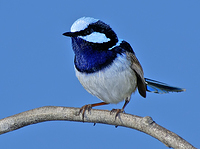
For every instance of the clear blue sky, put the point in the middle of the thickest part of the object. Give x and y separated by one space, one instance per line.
36 64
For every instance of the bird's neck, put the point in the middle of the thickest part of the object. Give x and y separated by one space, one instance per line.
89 58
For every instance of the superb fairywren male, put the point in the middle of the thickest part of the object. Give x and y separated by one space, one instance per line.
107 66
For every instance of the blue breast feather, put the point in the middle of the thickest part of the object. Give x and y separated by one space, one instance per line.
89 58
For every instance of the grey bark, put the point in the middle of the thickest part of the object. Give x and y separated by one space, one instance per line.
51 113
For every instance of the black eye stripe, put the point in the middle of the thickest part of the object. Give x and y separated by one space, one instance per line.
100 27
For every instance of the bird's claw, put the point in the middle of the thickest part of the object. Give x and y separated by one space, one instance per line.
117 111
83 109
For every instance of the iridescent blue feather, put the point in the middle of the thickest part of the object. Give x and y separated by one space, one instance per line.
161 88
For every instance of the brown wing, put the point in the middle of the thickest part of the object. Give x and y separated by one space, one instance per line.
135 66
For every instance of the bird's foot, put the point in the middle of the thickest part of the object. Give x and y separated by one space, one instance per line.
117 111
84 108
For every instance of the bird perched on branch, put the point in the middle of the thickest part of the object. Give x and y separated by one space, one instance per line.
107 66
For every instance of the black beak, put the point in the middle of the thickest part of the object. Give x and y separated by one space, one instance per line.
69 34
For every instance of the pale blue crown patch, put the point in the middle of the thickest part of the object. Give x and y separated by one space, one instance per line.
82 23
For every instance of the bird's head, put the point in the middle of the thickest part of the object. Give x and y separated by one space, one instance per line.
92 32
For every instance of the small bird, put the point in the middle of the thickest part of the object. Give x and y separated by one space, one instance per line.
107 66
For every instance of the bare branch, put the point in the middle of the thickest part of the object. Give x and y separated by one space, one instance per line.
51 113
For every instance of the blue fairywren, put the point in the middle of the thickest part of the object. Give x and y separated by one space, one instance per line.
107 67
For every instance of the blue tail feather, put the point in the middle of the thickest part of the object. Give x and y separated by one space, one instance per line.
161 88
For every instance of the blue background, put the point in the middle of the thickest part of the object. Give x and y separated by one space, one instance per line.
36 69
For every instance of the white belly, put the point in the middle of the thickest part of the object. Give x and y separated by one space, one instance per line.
112 84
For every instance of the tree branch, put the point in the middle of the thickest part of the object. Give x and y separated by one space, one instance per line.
51 113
